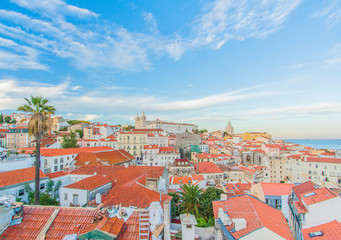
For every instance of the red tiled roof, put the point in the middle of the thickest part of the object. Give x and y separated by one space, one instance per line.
57 174
155 146
111 226
256 213
303 188
167 149
208 167
51 152
133 195
103 158
90 183
331 231
99 170
296 156
131 228
18 176
300 207
324 160
68 221
181 180
318 195
277 189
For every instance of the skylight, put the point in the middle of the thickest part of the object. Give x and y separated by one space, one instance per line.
309 194
316 234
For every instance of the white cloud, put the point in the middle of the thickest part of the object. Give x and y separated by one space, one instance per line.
333 61
54 8
151 23
105 45
331 11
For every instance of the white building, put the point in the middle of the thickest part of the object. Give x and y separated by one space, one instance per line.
153 155
83 191
13 182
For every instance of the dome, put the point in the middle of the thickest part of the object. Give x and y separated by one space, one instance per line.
229 129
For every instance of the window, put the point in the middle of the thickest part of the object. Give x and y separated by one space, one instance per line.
61 167
316 166
55 161
21 192
61 160
55 168
75 199
65 196
42 186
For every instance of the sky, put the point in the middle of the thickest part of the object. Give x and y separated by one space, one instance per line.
263 65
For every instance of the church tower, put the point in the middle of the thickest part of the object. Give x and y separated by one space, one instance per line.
140 122
229 129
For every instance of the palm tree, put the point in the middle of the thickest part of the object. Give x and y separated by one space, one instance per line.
189 198
37 126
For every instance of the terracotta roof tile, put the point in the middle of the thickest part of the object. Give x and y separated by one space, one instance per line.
256 213
318 195
208 167
68 221
51 152
303 188
300 207
277 189
132 195
331 231
324 160
90 183
18 176
56 174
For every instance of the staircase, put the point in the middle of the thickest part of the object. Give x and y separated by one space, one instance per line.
143 224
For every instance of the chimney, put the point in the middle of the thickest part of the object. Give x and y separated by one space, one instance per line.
223 196
166 220
224 217
239 224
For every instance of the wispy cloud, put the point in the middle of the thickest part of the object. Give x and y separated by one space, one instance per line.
101 44
330 11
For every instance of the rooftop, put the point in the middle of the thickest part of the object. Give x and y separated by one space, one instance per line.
208 167
317 196
18 176
330 231
276 189
90 183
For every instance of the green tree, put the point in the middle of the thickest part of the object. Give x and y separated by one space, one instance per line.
175 206
189 198
1 118
38 125
205 202
48 198
7 119
80 132
128 128
70 141
13 121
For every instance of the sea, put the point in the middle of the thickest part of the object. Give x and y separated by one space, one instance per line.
318 143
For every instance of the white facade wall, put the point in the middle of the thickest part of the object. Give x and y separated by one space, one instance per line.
16 189
56 163
161 141
204 148
160 159
68 197
323 212
172 128
262 234
285 206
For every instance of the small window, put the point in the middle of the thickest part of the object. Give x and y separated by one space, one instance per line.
65 196
55 168
21 192
42 186
188 226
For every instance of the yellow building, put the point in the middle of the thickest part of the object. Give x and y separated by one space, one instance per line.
132 142
18 137
247 136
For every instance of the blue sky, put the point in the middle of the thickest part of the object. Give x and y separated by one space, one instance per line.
263 65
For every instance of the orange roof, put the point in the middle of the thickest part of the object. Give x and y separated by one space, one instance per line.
167 149
68 221
297 156
103 158
112 226
99 170
256 213
131 228
90 183
276 189
331 231
208 167
18 176
56 174
155 146
134 195
318 195
198 177
303 188
300 207
325 160
51 152
181 180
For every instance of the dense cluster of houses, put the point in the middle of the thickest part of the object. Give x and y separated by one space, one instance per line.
115 185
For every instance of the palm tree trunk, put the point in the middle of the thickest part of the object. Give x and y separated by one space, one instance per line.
37 178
